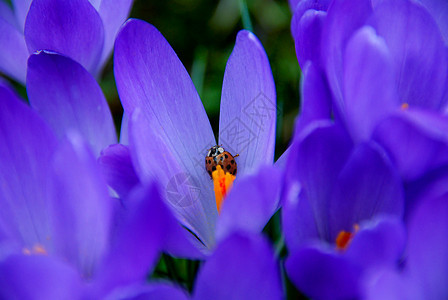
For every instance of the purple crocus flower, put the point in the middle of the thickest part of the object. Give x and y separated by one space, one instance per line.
81 29
58 233
340 211
68 98
425 273
169 133
243 266
385 65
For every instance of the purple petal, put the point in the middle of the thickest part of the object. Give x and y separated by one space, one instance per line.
146 230
416 140
38 277
389 285
21 8
25 158
320 156
303 5
13 52
439 11
368 185
113 14
428 247
248 105
419 58
82 207
72 28
159 291
316 98
7 14
338 30
242 267
116 165
69 98
150 77
369 83
251 203
124 132
190 195
307 29
323 275
378 243
298 222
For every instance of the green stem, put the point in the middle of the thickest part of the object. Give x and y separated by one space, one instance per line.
247 24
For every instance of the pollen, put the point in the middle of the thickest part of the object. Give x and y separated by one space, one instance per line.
36 250
344 238
222 183
404 106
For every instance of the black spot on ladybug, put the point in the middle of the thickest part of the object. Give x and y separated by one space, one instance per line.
214 168
232 161
226 156
210 173
221 159
228 167
234 172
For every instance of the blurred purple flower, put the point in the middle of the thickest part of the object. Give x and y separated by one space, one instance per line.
342 205
243 266
425 273
58 232
81 29
382 68
169 132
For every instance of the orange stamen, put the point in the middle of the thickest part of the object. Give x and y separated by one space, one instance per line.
222 183
404 106
344 238
36 250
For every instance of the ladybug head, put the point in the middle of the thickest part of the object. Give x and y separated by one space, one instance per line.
215 150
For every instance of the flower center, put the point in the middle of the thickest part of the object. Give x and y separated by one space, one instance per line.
36 250
404 106
222 183
344 238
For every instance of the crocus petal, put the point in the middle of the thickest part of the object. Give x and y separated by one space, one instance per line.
21 8
320 156
7 14
242 267
419 58
368 185
147 229
439 11
113 14
306 29
72 28
13 52
151 77
25 156
428 247
337 31
298 222
190 197
303 5
159 291
369 83
69 98
82 209
316 97
116 165
248 105
416 140
38 277
380 242
323 275
124 131
389 285
251 203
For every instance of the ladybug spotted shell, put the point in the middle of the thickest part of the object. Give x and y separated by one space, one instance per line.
224 159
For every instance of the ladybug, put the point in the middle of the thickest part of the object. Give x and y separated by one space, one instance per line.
218 156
